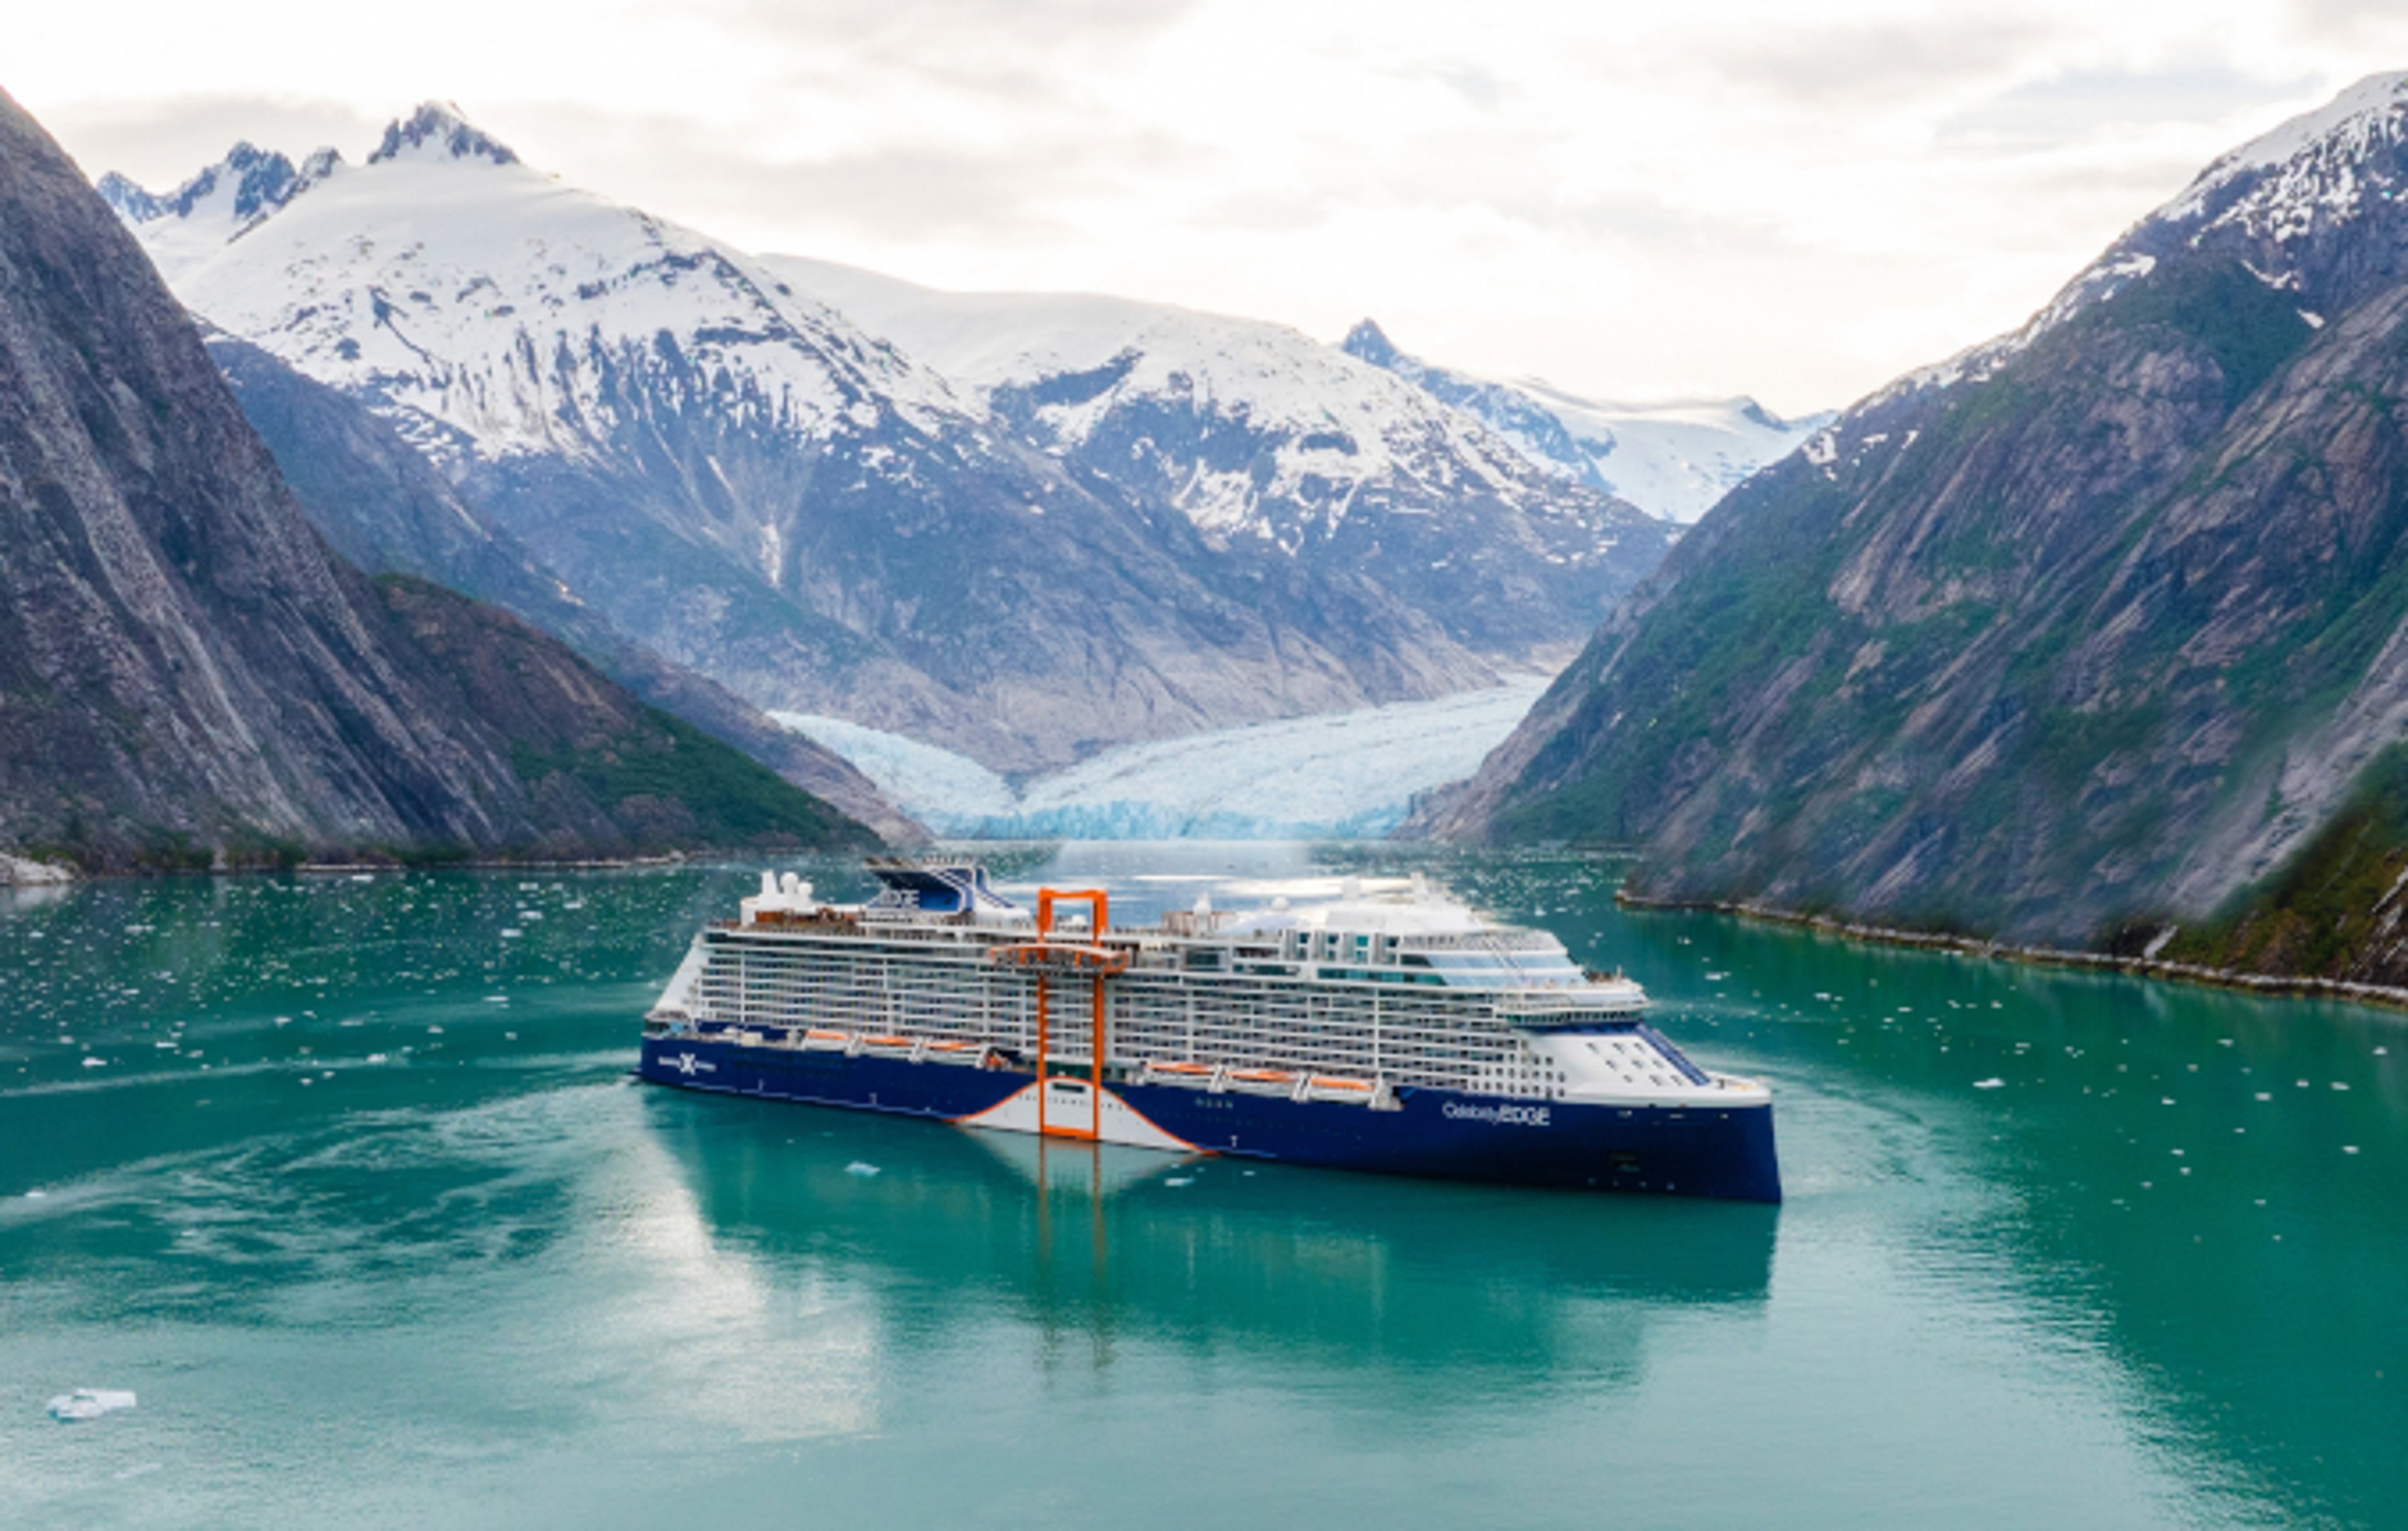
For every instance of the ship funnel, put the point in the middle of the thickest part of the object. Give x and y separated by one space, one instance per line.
1204 905
768 884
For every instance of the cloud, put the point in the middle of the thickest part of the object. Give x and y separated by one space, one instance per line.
1878 62
2079 104
1000 48
160 142
932 189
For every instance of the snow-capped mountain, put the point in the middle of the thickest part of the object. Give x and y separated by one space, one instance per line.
750 481
1669 460
194 221
498 313
1266 439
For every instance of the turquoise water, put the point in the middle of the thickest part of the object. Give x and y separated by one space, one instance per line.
343 1178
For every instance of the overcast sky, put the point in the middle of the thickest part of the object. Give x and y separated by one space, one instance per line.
1636 201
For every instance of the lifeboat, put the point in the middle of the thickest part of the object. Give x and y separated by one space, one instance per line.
891 1047
1331 1087
1262 1082
1193 1076
821 1039
970 1055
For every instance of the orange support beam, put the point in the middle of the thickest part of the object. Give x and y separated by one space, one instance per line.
1099 901
1094 897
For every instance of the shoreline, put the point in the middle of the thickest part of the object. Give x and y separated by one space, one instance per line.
2038 956
20 872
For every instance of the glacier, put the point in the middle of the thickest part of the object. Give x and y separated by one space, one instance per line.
1334 775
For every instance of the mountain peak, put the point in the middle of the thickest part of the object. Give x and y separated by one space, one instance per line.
127 200
438 130
1367 342
249 181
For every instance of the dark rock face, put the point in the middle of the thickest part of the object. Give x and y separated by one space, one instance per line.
185 671
387 511
1495 558
934 583
2092 630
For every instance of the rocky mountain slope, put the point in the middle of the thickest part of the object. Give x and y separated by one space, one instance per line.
384 508
1281 452
2091 628
187 675
750 481
1670 460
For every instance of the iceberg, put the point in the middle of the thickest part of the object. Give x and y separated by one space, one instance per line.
89 1403
1334 775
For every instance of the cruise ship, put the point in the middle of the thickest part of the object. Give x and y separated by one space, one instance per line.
1398 1033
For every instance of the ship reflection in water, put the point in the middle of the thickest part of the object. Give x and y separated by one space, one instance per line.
1480 1283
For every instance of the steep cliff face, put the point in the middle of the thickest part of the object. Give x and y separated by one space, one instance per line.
2094 625
185 671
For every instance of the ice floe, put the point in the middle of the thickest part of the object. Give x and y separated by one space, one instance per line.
89 1403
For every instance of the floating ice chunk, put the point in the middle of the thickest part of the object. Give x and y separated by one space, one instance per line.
89 1403
511 933
863 1170
95 1063
2351 1148
1990 1084
36 1195
1180 1179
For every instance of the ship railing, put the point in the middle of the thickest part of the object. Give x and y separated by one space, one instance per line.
1569 1000
1479 940
1062 957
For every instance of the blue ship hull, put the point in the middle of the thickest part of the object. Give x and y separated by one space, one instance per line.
1687 1150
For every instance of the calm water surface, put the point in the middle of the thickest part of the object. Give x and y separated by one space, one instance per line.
343 1177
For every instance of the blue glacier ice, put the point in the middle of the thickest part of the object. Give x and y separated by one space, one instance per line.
1335 776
